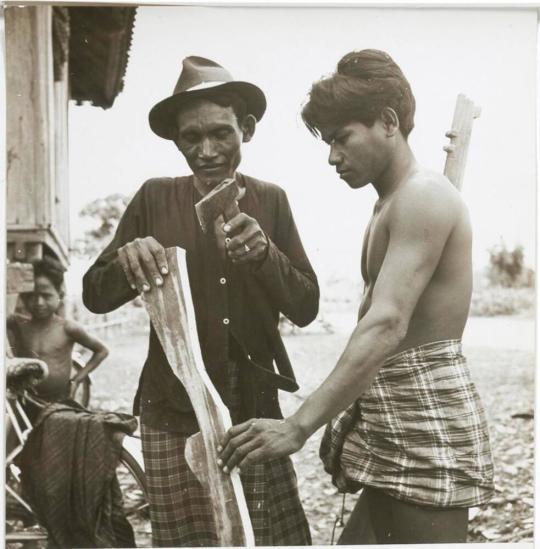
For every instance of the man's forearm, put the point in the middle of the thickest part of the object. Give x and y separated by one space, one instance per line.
371 343
296 293
105 287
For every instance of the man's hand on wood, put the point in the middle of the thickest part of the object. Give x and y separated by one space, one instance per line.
259 440
144 263
246 242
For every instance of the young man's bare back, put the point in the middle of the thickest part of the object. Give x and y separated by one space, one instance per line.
442 309
404 420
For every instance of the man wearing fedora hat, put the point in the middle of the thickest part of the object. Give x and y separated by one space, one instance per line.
243 275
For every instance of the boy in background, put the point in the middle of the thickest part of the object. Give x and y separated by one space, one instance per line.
49 337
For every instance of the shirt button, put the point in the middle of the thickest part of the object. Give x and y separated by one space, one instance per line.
222 280
225 321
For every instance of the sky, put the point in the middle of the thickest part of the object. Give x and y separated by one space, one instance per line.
489 55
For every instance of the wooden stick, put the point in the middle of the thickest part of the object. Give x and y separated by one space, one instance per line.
460 136
172 315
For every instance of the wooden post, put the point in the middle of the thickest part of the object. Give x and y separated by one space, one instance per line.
460 136
29 119
19 278
172 315
36 137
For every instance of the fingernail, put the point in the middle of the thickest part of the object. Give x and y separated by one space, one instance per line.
164 270
225 469
133 287
159 282
220 462
226 228
145 287
219 448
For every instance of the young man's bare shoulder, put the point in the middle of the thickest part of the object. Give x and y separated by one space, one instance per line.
429 191
426 199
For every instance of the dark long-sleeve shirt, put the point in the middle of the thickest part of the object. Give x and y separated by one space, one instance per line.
237 307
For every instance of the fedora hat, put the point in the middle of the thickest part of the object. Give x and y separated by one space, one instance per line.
199 76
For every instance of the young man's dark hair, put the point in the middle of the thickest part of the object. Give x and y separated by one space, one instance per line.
364 83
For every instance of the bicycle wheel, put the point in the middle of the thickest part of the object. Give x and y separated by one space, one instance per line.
133 486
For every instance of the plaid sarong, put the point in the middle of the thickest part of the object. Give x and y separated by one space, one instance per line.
418 433
181 509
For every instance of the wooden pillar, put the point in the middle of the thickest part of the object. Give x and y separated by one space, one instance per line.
35 111
30 116
61 136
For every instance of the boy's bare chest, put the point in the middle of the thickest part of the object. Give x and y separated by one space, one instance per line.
46 341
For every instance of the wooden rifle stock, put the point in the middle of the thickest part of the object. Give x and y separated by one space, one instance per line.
460 136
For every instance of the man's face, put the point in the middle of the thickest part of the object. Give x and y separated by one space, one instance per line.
210 139
359 153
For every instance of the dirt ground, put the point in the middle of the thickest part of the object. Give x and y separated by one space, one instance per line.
503 371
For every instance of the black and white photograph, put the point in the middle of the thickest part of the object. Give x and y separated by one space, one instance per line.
269 274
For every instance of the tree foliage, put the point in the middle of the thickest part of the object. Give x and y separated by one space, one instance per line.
105 213
507 267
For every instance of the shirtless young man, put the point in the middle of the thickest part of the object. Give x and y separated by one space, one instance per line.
407 424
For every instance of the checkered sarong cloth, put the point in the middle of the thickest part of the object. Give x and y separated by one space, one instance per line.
181 509
418 433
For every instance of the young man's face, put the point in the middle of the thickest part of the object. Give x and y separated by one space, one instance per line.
210 138
359 153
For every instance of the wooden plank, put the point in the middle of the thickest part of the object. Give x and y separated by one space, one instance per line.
61 187
27 243
30 116
19 278
460 136
172 315
61 139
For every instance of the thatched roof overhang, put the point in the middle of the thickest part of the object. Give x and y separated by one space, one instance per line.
99 42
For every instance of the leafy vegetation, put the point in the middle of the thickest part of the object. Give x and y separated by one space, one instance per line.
105 213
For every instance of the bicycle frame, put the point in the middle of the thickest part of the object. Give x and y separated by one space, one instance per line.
18 427
22 428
